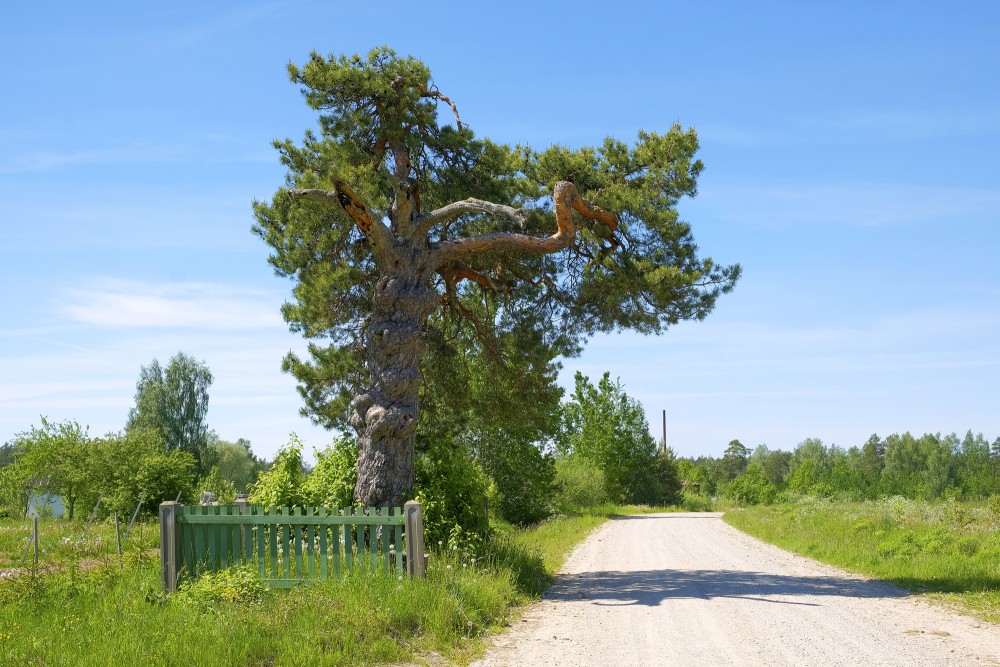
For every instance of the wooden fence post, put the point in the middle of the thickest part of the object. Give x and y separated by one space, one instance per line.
416 564
168 546
244 505
118 535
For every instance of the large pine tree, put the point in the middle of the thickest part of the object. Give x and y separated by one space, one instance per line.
412 242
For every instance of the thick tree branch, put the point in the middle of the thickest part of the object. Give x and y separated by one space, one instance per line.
456 272
566 198
448 213
376 232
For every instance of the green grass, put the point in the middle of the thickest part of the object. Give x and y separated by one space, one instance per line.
110 611
62 542
948 550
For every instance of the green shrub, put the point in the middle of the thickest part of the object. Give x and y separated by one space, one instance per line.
332 480
453 490
580 483
224 490
525 478
994 505
694 502
281 485
751 488
237 585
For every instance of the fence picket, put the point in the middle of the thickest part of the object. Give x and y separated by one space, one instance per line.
223 540
297 511
397 532
286 537
310 549
188 550
348 542
248 533
324 555
335 544
199 540
384 541
273 536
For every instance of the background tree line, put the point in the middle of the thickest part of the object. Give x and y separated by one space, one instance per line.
166 449
929 467
502 451
522 460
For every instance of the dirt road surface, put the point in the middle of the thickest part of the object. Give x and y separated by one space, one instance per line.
687 589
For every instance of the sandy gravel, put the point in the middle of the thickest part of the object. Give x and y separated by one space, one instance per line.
687 589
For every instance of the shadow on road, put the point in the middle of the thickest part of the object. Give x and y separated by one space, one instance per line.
652 587
668 517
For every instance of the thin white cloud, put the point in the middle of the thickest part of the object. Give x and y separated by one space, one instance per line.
122 304
855 127
216 26
856 205
46 160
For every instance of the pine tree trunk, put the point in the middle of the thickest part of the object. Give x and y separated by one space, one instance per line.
385 414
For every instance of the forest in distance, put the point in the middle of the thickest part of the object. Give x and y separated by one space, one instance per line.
928 467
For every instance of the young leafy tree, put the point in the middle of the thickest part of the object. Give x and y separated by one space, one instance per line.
331 481
608 427
234 461
174 401
402 231
51 458
282 484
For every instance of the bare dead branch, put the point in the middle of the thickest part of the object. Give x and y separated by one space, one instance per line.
566 198
448 213
345 198
437 95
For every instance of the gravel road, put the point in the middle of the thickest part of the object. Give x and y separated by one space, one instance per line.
687 589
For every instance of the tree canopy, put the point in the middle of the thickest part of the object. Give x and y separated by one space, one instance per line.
413 244
174 401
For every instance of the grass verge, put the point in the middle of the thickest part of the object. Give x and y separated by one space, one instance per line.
112 612
947 550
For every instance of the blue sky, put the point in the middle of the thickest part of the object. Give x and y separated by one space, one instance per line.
851 168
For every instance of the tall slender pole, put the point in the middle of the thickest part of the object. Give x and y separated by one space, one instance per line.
91 519
35 535
134 515
118 534
664 431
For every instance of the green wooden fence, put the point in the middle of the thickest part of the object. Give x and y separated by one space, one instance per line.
288 545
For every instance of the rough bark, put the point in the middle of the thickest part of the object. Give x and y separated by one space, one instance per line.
385 413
